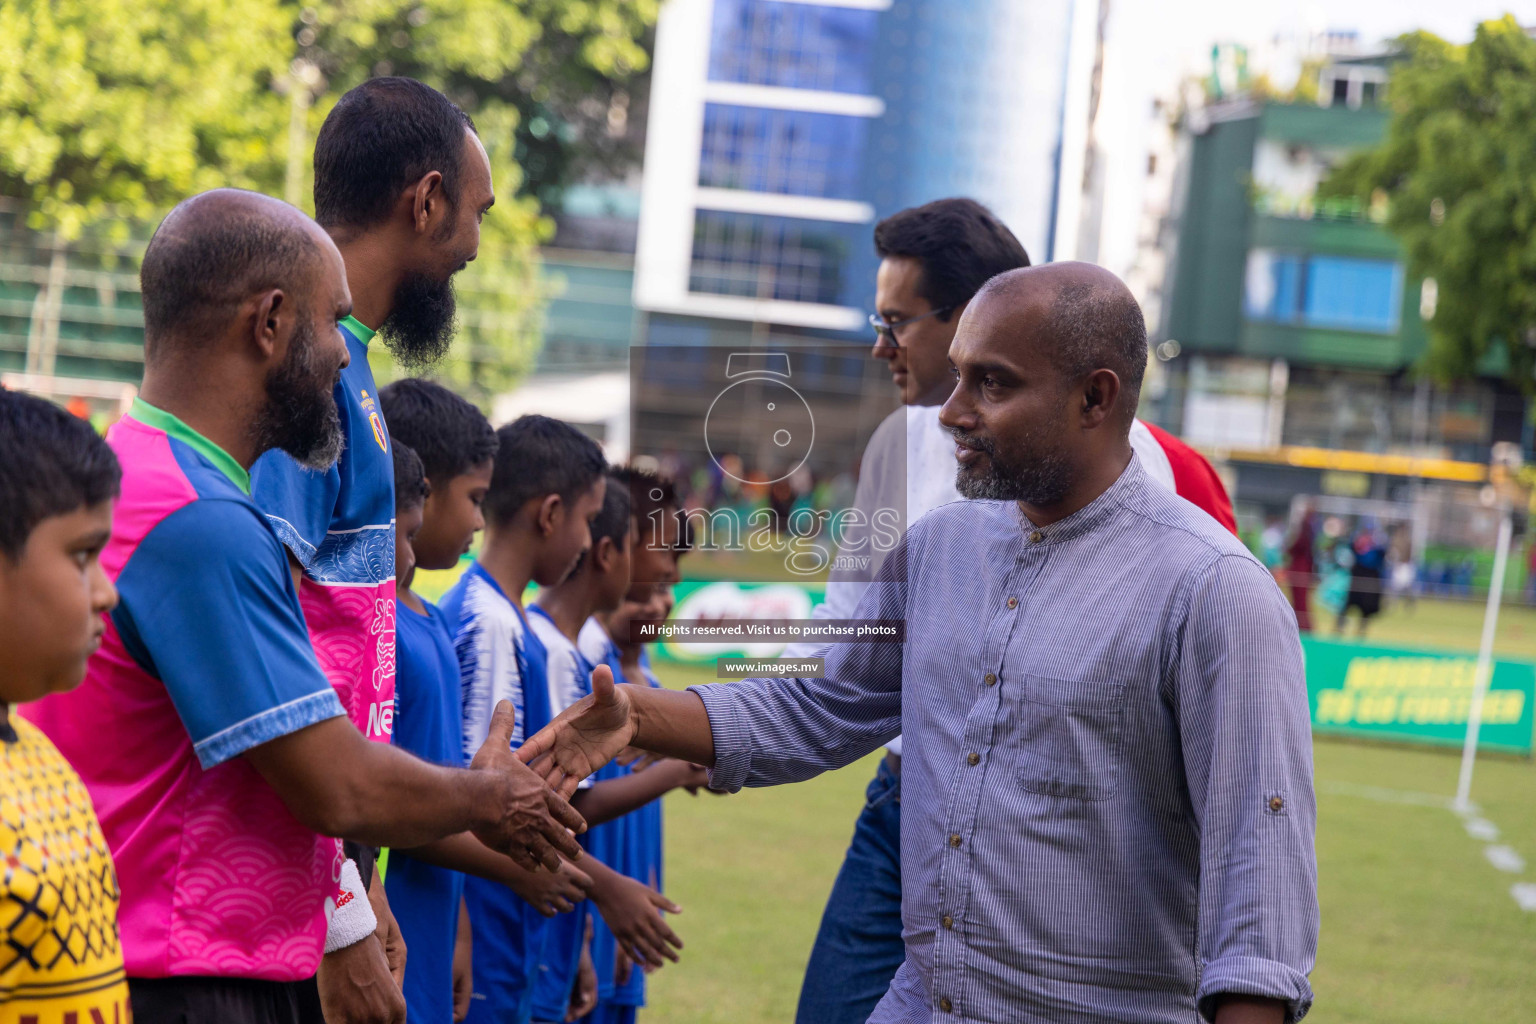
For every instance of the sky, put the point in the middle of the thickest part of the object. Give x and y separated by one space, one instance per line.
1151 45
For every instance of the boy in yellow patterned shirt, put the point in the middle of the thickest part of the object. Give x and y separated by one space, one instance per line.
60 961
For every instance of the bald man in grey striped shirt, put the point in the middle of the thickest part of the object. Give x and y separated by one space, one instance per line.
1107 805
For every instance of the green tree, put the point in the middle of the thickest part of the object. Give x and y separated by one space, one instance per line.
1458 169
113 110
578 93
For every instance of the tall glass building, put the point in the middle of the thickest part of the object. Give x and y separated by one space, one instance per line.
781 130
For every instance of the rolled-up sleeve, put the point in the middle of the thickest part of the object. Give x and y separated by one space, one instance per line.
773 731
1246 732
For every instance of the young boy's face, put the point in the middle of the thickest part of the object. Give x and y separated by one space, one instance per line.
655 562
654 607
452 517
52 599
570 535
407 529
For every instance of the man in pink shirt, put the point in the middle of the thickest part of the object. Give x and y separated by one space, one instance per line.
214 747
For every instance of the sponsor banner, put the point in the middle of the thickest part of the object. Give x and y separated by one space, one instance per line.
1415 696
726 603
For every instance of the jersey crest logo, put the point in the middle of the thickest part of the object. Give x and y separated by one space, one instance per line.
378 431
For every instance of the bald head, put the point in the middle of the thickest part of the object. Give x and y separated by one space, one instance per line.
215 251
1084 318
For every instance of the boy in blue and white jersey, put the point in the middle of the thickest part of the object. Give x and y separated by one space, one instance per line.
457 448
611 801
605 639
546 486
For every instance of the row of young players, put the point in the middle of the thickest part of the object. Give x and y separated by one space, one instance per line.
523 945
597 574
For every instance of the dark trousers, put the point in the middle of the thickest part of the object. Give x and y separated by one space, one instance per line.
859 946
200 1000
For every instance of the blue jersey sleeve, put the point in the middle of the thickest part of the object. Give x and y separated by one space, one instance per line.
208 607
298 502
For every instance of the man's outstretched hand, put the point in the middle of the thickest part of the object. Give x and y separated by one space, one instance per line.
535 821
586 736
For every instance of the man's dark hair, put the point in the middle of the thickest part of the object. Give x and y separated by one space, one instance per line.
411 487
1097 327
538 456
53 464
380 138
959 244
450 434
212 253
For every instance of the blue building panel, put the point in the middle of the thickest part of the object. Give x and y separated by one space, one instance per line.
953 104
1324 291
791 152
792 45
1353 294
762 257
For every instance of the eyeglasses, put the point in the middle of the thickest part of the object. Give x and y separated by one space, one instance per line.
887 330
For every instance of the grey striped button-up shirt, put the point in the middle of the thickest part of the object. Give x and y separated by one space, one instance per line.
1107 806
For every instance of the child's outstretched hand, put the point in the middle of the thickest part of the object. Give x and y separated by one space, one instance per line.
585 736
637 760
695 778
632 911
553 892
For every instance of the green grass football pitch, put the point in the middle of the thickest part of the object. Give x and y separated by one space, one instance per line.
1419 927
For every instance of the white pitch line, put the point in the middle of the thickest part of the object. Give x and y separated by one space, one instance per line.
1505 859
1481 829
1383 795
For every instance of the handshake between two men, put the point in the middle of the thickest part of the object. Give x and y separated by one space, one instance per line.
597 729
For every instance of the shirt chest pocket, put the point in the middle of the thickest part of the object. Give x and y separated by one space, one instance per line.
1069 735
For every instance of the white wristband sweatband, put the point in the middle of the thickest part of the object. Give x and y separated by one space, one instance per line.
353 919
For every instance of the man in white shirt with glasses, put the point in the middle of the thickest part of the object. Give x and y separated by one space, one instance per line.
933 259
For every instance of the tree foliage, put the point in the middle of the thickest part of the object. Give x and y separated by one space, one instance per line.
1458 167
111 111
577 93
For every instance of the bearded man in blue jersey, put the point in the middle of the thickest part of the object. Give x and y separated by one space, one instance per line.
401 185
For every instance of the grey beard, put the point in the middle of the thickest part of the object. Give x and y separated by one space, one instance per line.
325 453
300 416
1041 483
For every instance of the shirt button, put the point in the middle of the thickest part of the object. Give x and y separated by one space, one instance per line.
973 759
1036 537
954 839
947 921
1276 804
989 678
946 1005
1013 602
